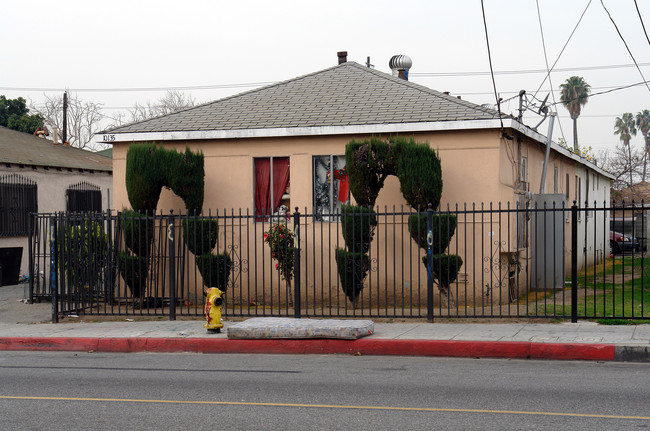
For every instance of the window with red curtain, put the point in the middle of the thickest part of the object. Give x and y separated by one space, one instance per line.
271 184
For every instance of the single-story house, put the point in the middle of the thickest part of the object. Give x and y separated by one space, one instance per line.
37 175
284 144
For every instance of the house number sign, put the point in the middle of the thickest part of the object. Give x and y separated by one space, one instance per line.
109 138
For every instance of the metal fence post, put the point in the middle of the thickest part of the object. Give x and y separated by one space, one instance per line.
54 280
30 247
296 264
172 267
430 264
574 262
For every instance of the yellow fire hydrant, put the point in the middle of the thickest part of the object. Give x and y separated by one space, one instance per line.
213 302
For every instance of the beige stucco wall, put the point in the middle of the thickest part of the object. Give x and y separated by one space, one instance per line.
51 185
480 168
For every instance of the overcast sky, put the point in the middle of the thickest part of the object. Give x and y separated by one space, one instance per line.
239 45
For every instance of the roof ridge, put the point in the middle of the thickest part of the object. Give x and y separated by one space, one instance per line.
431 91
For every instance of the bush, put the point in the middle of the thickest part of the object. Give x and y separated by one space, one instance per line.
134 270
85 252
200 235
352 268
358 227
368 164
138 232
282 243
143 176
445 268
215 269
443 229
149 168
420 175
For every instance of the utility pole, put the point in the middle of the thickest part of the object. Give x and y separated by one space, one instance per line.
65 117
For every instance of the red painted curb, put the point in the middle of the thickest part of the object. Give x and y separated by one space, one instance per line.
363 346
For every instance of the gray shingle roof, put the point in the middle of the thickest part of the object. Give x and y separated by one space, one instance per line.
25 149
347 94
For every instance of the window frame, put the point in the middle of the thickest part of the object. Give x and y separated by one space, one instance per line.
333 215
269 217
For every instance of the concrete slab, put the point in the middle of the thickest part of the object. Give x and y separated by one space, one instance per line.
284 327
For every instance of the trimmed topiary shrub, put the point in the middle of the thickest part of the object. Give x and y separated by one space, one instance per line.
358 227
368 164
419 171
443 229
185 174
353 268
133 270
143 177
138 232
200 235
215 269
420 175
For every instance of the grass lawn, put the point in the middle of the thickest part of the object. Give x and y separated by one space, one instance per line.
618 288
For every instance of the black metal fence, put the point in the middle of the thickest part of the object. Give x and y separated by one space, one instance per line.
531 261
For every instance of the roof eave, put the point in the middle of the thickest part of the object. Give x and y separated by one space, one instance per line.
362 129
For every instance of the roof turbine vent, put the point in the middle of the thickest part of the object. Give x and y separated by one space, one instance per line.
400 65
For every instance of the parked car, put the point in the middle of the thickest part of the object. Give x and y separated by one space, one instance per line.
620 243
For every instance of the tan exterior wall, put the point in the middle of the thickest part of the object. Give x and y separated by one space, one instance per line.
479 168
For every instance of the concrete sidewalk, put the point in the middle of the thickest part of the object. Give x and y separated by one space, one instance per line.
581 341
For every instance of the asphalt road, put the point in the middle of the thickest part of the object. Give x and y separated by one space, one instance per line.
68 391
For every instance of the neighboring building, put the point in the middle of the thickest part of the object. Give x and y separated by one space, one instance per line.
37 175
300 127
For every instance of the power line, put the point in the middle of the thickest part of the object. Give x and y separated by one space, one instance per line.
494 84
548 75
257 84
610 91
625 43
564 47
642 24
126 89
525 71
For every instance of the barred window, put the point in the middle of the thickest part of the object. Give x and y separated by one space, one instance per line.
18 198
83 197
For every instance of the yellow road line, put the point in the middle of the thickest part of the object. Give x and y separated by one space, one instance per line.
331 406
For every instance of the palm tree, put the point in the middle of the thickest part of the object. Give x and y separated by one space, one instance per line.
575 93
625 128
643 124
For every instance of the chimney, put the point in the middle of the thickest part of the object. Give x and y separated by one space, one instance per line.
55 135
400 65
343 56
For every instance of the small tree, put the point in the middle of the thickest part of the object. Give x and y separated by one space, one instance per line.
15 115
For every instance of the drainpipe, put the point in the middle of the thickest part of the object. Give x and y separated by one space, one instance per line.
542 187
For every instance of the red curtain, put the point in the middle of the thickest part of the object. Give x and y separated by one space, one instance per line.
262 189
263 184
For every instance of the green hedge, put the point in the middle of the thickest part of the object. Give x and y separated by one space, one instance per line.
420 175
138 231
445 267
134 270
200 235
215 269
352 268
358 227
443 229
